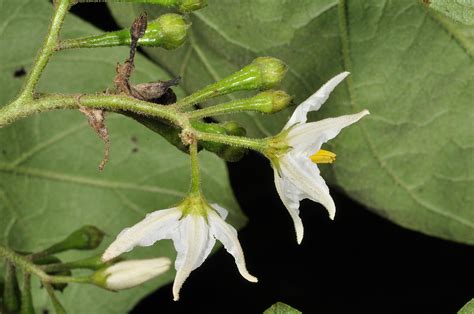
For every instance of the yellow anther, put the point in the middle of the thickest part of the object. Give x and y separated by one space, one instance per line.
323 157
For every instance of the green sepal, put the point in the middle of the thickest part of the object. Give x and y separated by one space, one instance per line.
85 238
168 31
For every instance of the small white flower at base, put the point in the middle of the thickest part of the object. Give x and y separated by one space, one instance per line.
297 149
193 227
128 274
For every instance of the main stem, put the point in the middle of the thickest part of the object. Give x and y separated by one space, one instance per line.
49 46
13 112
21 262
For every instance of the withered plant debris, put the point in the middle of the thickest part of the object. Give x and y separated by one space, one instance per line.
96 119
146 91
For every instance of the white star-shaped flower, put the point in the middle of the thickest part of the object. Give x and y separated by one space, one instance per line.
298 150
193 227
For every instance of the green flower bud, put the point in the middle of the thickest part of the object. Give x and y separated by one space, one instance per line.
266 102
168 31
128 274
233 128
186 6
86 238
277 100
263 73
226 152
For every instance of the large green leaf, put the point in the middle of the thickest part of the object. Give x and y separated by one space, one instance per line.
281 308
468 308
459 10
49 182
411 160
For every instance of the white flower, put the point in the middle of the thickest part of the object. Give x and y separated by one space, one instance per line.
128 274
193 228
296 174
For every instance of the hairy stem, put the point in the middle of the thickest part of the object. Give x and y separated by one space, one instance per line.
21 262
245 142
49 47
195 173
14 112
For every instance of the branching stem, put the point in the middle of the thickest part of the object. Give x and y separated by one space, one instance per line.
49 47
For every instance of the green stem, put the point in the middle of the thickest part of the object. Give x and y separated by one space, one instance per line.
49 46
21 262
26 297
15 111
58 308
245 142
195 173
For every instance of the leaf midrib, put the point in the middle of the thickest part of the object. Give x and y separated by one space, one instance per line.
75 179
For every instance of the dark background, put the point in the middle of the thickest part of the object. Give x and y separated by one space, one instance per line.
359 263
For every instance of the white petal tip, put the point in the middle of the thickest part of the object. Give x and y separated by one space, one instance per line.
251 278
299 236
365 112
345 74
176 298
107 256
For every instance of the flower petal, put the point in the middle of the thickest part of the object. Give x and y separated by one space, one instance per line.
306 139
290 196
315 101
193 242
221 210
227 235
156 226
304 175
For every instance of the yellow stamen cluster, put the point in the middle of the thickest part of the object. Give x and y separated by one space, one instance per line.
323 157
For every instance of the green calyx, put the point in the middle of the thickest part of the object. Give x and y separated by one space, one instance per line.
263 73
168 31
275 147
195 204
85 238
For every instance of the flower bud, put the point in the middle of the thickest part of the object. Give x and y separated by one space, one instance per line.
186 6
86 238
263 73
168 31
226 152
128 274
271 70
273 101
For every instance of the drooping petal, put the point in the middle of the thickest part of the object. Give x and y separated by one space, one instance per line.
193 242
156 226
315 101
290 196
304 175
227 235
221 210
306 139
